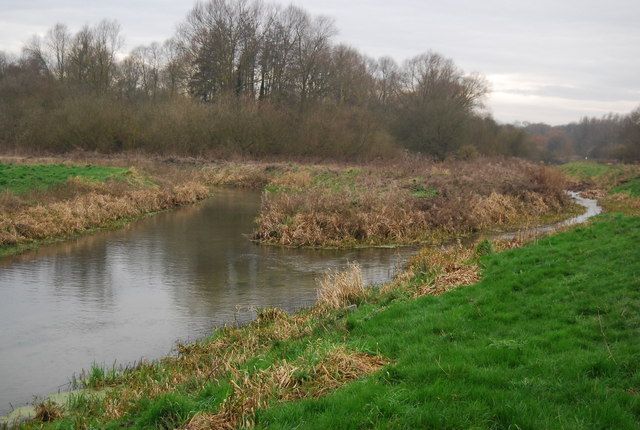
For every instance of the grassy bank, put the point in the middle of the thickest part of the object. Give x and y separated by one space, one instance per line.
546 339
616 186
411 201
47 202
24 178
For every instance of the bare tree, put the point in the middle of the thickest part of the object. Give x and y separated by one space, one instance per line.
34 50
221 40
58 40
436 103
388 83
176 68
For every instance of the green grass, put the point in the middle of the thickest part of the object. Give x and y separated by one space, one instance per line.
631 187
421 192
337 181
549 339
587 169
22 178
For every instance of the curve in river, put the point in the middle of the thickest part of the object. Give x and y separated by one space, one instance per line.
131 293
592 208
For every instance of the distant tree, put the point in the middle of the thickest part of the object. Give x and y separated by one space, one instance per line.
92 56
388 82
57 41
630 137
436 103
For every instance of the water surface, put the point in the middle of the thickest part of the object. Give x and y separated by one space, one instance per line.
123 295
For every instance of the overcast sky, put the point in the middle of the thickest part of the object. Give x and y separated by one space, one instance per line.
547 60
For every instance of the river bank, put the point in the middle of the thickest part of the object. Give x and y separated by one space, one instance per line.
461 272
43 201
310 205
285 369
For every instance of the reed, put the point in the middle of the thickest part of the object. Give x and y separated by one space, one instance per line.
407 203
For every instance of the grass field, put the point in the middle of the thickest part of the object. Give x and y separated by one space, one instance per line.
21 178
547 339
631 187
605 176
588 169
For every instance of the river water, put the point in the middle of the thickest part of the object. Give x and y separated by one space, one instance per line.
123 295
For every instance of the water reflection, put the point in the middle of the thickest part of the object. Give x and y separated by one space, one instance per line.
132 293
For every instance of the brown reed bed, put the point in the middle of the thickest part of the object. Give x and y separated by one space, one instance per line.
407 203
80 205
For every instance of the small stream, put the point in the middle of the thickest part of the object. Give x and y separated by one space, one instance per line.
591 209
115 297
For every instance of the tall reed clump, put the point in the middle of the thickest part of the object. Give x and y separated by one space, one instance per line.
341 288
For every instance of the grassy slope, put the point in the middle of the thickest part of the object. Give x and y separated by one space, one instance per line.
631 187
587 169
21 178
618 185
549 339
617 178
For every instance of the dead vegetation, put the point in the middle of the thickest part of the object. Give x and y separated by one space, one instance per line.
97 208
434 271
622 203
80 205
341 288
48 411
286 381
412 201
407 203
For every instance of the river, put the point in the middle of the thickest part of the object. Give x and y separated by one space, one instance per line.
119 296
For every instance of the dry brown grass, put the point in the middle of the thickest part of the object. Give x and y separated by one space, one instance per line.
434 271
622 203
286 381
79 205
48 411
200 362
407 203
338 289
91 210
240 175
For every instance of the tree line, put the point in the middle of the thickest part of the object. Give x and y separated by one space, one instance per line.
611 137
243 77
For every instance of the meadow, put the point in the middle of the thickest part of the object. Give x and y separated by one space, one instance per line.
22 178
